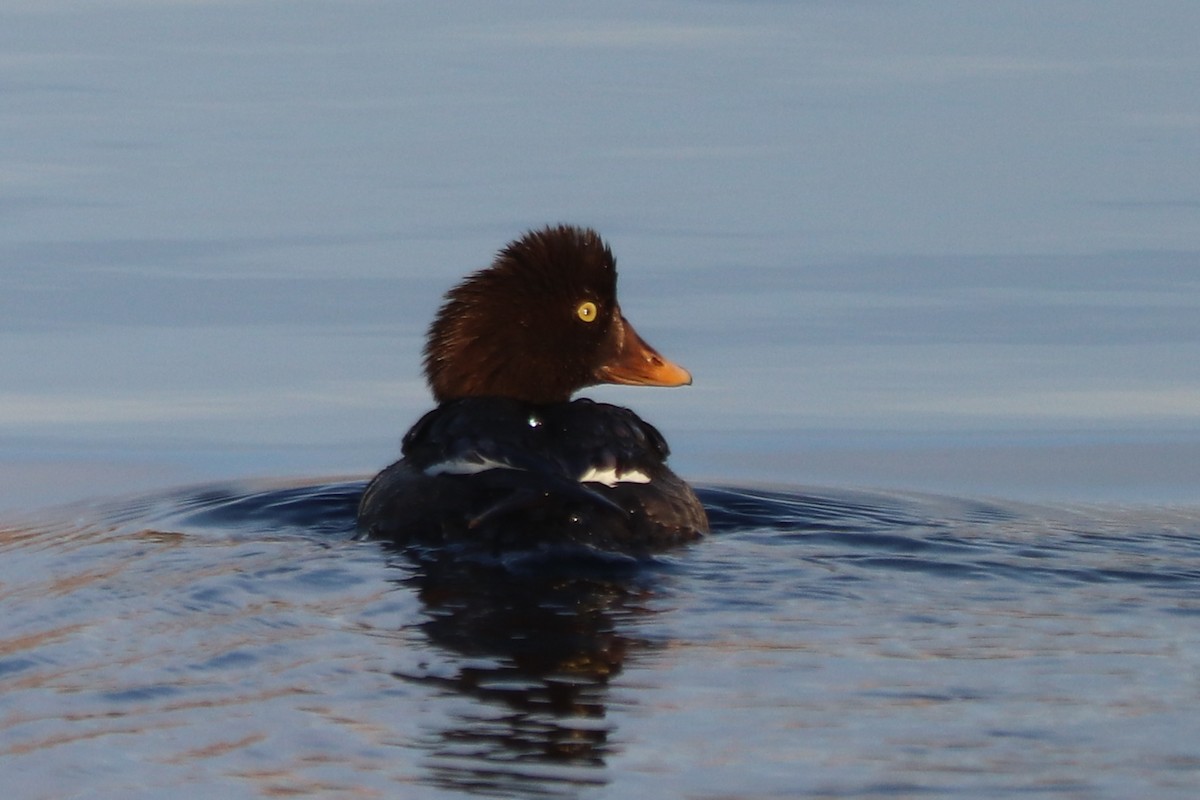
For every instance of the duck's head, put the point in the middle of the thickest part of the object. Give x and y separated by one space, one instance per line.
539 324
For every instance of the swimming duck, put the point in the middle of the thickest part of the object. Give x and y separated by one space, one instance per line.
507 460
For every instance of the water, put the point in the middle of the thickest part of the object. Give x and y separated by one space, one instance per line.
932 264
236 638
917 245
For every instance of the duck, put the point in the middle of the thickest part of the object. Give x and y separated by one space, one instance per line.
507 460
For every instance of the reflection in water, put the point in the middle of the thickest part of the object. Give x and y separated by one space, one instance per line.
520 651
535 648
235 638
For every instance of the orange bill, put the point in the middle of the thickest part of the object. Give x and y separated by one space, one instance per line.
638 364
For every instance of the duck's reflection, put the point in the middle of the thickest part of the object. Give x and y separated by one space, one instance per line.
533 650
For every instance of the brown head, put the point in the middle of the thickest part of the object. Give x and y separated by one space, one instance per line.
539 324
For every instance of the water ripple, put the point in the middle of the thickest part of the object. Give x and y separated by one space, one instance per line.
236 635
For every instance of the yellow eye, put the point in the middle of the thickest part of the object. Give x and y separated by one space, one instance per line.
586 311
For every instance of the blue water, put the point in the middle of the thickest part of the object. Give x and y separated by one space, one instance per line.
236 638
913 245
933 266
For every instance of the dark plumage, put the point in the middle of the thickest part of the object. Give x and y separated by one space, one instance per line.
506 461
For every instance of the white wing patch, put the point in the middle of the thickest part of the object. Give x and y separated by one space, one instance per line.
465 466
610 477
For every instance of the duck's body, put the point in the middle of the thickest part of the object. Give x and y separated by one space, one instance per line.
506 460
512 475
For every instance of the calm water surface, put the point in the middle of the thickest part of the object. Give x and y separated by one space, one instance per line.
236 638
946 249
